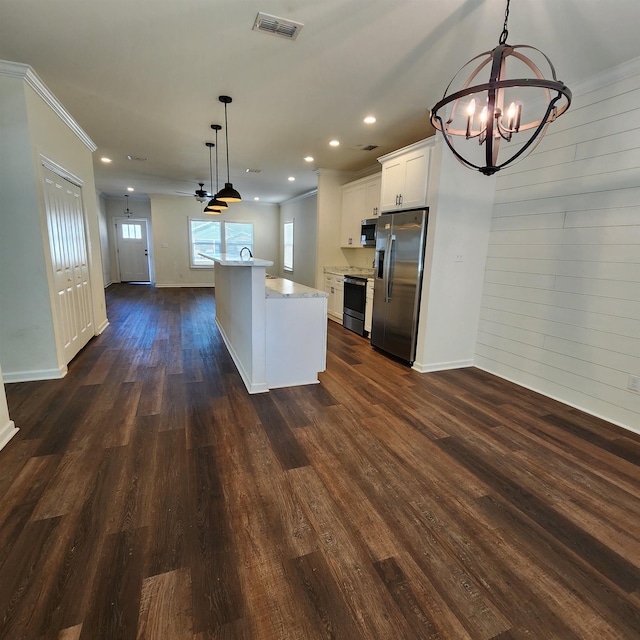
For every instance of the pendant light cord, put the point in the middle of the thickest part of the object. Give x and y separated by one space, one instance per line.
211 171
217 186
505 33
226 135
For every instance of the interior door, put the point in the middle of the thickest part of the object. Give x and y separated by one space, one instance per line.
68 246
132 250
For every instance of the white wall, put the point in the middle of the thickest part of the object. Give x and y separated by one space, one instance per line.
32 125
460 204
303 211
561 302
170 218
104 240
329 221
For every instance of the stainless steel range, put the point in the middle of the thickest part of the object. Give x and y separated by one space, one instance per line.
355 300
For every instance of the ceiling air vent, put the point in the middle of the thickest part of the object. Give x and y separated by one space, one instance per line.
370 147
277 26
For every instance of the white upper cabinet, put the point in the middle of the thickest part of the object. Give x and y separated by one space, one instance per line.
360 200
405 175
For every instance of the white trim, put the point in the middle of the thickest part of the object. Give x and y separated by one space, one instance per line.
609 76
427 142
304 196
560 400
183 285
37 374
442 366
251 387
61 172
7 432
102 327
26 73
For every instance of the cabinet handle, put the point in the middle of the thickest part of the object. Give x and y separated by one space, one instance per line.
400 197
333 290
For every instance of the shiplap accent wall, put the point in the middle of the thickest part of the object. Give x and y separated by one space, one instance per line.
561 301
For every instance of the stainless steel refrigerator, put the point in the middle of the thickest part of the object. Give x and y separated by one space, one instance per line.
399 261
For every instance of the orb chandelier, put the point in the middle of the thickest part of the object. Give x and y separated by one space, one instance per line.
480 129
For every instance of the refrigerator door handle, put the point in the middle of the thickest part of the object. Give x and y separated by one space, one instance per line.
387 267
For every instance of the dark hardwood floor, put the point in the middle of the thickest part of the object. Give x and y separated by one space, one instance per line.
148 496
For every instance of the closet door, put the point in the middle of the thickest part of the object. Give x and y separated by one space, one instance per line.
68 245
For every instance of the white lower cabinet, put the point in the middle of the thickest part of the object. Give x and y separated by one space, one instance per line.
334 286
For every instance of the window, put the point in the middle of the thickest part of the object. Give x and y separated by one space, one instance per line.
132 231
205 240
212 238
287 259
236 236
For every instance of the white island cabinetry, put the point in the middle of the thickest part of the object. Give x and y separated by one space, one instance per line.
275 329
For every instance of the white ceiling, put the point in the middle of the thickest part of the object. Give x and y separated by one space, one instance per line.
142 77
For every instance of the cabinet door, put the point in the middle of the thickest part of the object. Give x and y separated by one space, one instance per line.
392 184
414 193
328 287
339 298
352 208
372 198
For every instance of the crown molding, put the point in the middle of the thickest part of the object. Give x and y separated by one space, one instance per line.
608 76
302 196
27 74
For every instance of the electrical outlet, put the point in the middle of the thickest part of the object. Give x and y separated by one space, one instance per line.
634 383
458 257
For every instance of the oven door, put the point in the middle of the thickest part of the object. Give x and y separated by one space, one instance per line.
355 299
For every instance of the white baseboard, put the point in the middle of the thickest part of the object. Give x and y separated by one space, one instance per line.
441 366
108 284
7 432
31 376
252 387
102 327
561 400
183 285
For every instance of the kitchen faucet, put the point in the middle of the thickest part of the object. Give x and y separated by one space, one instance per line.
249 250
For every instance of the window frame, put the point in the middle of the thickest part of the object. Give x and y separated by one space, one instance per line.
223 239
285 266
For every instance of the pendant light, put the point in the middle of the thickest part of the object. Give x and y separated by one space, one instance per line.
476 109
228 194
215 206
127 213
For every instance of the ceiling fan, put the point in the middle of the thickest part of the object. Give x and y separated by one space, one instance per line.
200 194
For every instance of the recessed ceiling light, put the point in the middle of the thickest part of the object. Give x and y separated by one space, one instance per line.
106 160
334 143
256 198
308 159
370 119
130 189
291 178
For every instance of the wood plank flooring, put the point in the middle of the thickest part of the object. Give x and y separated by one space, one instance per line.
148 496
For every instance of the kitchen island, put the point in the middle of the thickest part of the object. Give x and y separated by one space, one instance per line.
275 329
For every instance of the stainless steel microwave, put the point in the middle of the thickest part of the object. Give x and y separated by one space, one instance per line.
368 232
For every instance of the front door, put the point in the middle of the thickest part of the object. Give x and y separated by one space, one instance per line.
132 250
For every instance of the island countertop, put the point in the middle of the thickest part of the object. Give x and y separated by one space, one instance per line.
283 288
233 261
